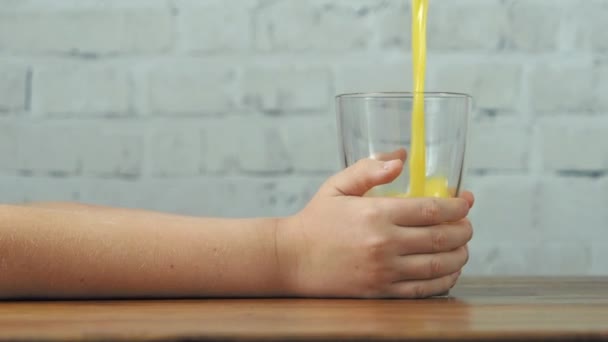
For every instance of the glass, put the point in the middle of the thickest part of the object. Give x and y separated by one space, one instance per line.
378 125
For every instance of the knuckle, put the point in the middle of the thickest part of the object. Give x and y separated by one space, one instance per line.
439 240
468 226
375 282
376 246
418 291
370 290
379 275
466 255
452 281
430 210
371 215
435 266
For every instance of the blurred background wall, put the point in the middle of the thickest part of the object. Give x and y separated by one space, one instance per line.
225 108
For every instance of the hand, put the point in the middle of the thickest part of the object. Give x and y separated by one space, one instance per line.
345 245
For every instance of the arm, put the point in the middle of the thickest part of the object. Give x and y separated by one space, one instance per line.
61 250
341 245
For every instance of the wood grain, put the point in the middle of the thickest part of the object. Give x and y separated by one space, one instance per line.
478 309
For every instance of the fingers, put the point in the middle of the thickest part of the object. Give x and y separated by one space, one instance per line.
468 196
424 211
361 177
422 288
400 154
431 266
434 239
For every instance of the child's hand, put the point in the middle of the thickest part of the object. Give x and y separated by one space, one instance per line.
345 245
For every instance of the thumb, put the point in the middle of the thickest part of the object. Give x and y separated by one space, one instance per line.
361 177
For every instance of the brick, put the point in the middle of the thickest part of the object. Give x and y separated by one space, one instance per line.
251 197
190 89
66 149
575 145
13 88
313 25
246 196
98 30
466 26
286 89
216 197
44 149
8 147
516 258
177 152
530 28
505 208
499 146
579 88
217 27
121 193
311 155
37 189
573 206
89 90
601 87
248 145
290 195
263 150
493 86
373 78
392 21
590 25
221 143
206 197
111 154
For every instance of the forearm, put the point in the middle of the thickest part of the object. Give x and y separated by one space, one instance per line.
50 252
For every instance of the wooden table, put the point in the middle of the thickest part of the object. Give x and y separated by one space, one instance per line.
478 309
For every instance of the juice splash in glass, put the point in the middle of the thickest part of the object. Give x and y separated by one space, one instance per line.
379 125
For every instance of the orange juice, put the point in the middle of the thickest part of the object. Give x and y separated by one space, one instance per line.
420 185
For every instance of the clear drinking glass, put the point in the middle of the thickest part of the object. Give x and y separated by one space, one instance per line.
378 125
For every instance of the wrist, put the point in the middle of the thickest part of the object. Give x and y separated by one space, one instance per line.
286 254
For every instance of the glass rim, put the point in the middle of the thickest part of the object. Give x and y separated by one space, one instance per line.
381 95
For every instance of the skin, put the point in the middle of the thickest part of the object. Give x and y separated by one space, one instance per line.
341 244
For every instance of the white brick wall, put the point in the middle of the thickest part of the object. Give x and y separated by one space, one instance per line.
368 77
534 25
494 86
580 145
81 89
225 108
176 151
44 149
13 88
286 89
312 25
8 147
92 30
216 27
189 88
573 208
568 87
591 25
466 25
499 145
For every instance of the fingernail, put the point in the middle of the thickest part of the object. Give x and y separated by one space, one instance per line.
391 164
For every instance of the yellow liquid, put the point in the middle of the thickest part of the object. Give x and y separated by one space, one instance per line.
420 186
